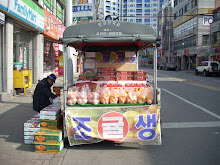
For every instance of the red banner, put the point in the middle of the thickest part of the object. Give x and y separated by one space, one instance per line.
56 62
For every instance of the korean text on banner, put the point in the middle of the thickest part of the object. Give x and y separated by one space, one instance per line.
139 124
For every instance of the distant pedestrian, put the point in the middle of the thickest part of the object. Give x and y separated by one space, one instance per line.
42 94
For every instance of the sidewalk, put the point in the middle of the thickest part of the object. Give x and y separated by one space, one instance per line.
13 113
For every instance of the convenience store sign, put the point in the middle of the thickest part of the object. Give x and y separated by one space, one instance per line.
25 10
139 124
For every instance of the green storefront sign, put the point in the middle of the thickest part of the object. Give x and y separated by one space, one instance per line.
82 18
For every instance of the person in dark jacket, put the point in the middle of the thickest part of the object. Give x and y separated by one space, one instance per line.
43 94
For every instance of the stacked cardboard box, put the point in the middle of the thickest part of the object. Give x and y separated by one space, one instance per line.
30 127
131 75
48 141
51 112
106 74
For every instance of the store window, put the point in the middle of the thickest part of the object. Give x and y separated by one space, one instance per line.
205 40
21 39
187 8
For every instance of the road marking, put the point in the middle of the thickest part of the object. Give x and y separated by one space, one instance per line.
195 105
191 124
192 83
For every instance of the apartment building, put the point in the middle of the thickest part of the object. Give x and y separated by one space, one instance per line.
192 19
138 11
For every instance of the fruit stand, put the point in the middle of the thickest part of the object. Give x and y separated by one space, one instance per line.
112 99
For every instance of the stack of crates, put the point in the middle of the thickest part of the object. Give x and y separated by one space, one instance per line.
49 138
48 141
30 127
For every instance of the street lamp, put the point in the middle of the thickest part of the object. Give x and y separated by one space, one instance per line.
181 65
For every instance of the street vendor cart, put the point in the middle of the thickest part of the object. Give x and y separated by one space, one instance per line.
112 99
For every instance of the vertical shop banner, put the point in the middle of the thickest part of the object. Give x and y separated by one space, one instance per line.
56 59
51 25
136 124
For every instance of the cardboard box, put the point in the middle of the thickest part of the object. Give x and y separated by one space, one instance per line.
50 111
27 141
55 148
28 129
48 136
142 73
106 73
49 117
29 137
106 78
124 78
32 123
125 73
105 69
52 124
26 133
140 78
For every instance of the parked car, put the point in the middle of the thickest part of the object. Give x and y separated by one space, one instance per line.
160 66
170 66
208 68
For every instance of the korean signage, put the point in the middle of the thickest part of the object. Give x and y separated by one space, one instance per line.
2 18
56 59
184 18
82 12
26 11
126 124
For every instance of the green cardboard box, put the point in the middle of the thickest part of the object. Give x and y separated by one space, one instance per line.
52 124
55 148
48 136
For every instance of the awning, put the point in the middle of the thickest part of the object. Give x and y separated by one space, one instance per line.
109 35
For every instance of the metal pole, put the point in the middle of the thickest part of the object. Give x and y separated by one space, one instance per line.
155 74
64 75
69 18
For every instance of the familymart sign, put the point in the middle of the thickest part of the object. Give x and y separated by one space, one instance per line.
26 11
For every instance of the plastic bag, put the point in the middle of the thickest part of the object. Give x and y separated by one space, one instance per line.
142 95
122 96
114 94
150 95
82 98
132 97
104 98
72 95
94 97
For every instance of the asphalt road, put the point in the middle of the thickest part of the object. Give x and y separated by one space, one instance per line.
190 132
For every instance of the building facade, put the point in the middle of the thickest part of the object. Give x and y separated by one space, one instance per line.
215 35
165 32
29 41
192 19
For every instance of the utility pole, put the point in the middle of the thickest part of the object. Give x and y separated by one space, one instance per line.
69 17
96 9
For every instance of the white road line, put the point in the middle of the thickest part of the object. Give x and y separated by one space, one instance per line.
191 124
195 105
